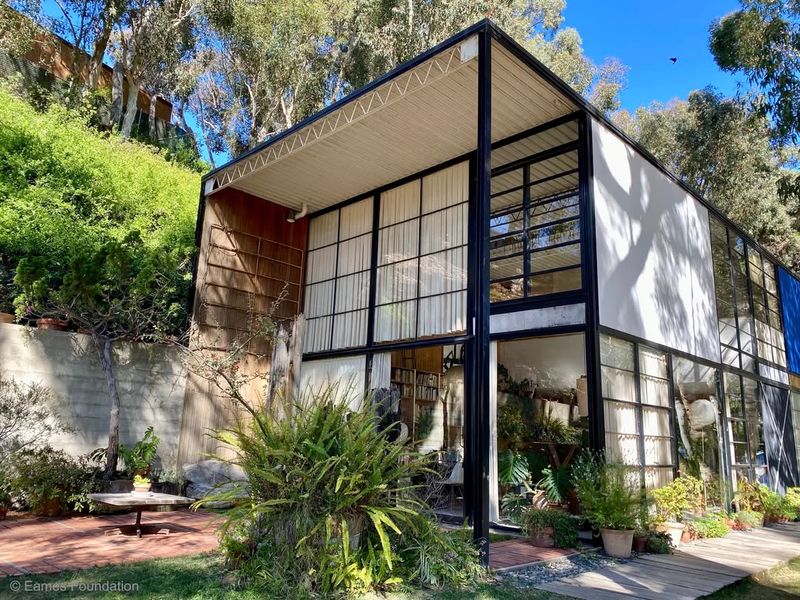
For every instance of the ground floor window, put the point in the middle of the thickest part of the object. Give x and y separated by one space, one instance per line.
745 430
637 410
698 417
426 391
795 401
542 417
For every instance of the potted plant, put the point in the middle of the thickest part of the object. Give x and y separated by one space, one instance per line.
548 528
683 494
141 484
139 458
608 502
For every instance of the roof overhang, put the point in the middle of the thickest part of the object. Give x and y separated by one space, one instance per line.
419 115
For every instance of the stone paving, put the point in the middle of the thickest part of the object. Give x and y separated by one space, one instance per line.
48 545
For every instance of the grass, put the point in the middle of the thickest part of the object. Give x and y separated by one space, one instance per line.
782 582
202 577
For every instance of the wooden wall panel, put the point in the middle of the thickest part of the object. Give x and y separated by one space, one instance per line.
249 256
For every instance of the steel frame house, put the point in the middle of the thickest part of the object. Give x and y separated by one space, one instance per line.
470 200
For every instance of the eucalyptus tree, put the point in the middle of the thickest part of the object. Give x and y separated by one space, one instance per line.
761 40
723 149
267 65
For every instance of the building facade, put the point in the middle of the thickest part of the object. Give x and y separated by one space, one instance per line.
470 233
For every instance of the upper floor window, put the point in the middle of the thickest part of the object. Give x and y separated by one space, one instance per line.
535 245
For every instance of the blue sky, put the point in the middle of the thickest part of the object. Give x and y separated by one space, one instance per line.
644 35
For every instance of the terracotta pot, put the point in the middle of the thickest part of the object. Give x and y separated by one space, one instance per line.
7 317
53 324
617 543
639 543
686 537
674 530
142 488
544 538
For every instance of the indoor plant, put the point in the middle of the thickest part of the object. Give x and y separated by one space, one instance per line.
549 527
608 502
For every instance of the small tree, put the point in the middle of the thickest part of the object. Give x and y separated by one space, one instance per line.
113 294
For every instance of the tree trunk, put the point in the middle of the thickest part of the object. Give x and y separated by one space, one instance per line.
113 420
117 86
130 108
151 120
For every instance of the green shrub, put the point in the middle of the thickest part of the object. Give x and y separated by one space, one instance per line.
607 499
659 542
709 527
793 500
512 468
329 506
747 519
49 481
68 191
684 493
565 526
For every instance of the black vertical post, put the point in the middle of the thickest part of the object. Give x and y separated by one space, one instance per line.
481 355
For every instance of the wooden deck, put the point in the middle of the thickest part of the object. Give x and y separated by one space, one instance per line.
694 570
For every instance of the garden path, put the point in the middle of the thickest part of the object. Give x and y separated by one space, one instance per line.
694 569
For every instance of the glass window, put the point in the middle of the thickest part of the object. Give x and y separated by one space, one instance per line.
337 278
422 257
535 246
697 417
768 325
637 409
734 310
795 401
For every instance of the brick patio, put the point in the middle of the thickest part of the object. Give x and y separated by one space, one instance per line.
514 554
48 545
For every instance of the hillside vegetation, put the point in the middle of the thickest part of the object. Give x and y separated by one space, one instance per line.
68 191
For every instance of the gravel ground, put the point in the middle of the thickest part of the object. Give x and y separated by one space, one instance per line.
570 566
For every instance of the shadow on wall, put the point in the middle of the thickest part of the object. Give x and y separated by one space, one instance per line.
150 379
653 253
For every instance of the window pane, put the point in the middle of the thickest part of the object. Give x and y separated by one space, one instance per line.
321 265
395 321
506 223
618 384
552 283
400 203
553 234
505 268
554 258
506 181
443 272
319 299
506 290
354 255
616 352
507 200
317 336
352 292
508 244
350 329
444 229
445 188
356 219
323 230
398 242
439 315
397 282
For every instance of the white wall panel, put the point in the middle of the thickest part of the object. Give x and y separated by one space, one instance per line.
653 252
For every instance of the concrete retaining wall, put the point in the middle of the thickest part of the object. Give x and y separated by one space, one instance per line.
151 382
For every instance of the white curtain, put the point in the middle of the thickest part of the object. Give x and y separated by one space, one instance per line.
345 376
622 433
441 271
381 373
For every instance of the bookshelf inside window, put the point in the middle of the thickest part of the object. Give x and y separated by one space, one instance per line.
418 391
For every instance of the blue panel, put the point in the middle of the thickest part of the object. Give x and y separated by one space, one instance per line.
790 296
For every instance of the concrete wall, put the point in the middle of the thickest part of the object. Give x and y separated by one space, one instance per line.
151 382
653 252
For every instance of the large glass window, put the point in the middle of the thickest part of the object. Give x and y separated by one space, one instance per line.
745 429
637 409
337 278
535 244
767 309
422 257
734 309
697 415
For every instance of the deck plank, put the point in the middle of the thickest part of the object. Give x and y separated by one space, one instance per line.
694 570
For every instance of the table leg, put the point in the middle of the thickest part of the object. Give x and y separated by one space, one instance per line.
139 522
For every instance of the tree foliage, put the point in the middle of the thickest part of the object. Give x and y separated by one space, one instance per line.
72 200
762 41
723 150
